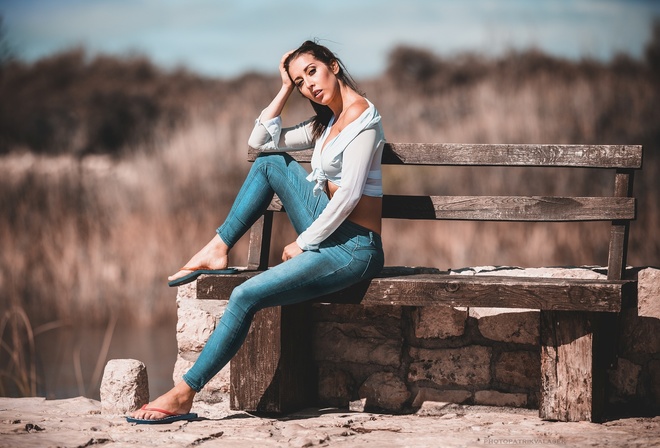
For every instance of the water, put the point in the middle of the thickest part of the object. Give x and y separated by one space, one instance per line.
65 356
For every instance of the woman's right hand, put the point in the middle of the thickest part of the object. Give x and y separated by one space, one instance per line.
286 79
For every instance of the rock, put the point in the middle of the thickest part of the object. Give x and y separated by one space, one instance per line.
196 320
520 369
124 387
520 326
356 343
494 398
357 405
654 374
438 409
439 321
624 378
430 395
466 366
384 390
648 293
335 386
639 335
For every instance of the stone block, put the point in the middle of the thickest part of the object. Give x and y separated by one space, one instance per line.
440 409
624 378
648 293
639 335
357 343
439 321
329 312
428 394
654 377
494 398
196 320
520 326
124 387
358 405
466 366
335 387
384 390
519 369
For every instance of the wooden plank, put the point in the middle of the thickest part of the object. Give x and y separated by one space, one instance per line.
509 208
455 154
572 379
273 370
254 367
259 246
459 290
503 208
618 250
483 291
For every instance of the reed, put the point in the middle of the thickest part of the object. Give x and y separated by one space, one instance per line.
90 230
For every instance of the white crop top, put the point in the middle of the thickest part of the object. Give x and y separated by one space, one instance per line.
351 160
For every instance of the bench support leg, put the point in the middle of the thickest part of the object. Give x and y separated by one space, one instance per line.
273 371
573 374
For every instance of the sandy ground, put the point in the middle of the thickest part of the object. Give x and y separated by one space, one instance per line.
78 422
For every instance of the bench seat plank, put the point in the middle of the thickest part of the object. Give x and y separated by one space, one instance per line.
556 294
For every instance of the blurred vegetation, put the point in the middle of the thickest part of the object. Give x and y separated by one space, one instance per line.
114 172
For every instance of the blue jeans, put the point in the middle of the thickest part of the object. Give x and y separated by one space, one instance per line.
351 254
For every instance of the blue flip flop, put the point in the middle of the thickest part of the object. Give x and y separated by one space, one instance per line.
171 417
196 272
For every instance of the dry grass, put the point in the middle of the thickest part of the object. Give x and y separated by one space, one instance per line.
87 238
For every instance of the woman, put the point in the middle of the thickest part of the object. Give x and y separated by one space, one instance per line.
336 211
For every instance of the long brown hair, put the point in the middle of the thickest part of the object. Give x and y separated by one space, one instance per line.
324 55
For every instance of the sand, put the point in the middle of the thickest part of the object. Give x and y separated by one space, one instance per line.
78 422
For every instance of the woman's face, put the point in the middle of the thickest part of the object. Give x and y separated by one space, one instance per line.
314 79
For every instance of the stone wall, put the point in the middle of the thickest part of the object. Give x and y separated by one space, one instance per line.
395 358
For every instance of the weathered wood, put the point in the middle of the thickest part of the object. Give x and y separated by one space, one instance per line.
509 208
271 371
459 290
259 246
495 291
504 208
572 375
623 185
454 154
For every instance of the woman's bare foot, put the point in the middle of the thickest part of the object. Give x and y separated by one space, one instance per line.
212 256
178 400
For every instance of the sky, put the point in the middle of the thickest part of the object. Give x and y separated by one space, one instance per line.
225 38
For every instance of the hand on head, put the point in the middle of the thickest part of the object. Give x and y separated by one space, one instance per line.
286 79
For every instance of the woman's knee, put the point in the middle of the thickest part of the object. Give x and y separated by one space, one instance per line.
272 159
242 302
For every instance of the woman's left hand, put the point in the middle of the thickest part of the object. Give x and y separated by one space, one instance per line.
291 251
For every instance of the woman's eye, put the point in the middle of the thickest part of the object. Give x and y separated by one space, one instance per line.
312 71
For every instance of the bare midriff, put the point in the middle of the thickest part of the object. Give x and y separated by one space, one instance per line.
366 213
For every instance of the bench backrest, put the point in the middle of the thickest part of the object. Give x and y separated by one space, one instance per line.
620 208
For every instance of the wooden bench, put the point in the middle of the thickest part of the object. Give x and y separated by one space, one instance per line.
273 371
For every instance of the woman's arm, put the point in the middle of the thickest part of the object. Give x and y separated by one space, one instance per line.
268 134
276 106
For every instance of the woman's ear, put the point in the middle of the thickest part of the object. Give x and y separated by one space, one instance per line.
334 66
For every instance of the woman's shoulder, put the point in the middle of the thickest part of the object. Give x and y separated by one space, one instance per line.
356 109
